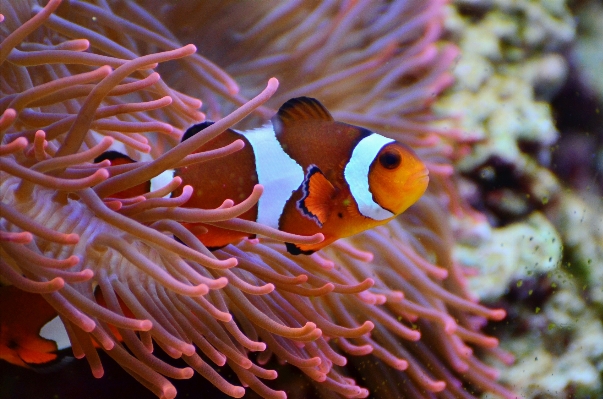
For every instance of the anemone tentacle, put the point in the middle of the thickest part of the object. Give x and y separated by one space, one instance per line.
392 295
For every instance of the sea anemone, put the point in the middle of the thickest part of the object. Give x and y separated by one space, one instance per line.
78 78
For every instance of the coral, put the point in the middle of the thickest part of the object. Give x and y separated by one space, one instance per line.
588 44
556 337
511 253
579 221
516 58
510 66
79 77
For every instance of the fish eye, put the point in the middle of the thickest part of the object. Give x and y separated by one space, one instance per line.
390 159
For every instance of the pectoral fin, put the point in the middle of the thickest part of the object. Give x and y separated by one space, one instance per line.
318 193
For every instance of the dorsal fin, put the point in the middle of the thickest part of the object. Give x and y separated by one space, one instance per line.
113 155
191 131
301 108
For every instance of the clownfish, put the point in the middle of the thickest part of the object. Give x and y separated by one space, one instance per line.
319 176
31 334
117 158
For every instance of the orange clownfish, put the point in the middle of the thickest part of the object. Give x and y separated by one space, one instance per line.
30 331
117 158
319 176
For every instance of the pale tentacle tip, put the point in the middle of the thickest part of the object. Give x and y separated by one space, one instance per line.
237 392
87 274
167 100
113 205
228 203
105 70
200 289
316 238
190 47
367 256
72 238
104 164
233 88
146 325
105 142
84 44
380 299
230 262
302 278
107 344
498 314
98 372
56 283
273 83
328 287
258 189
24 237
154 77
396 296
187 373
490 342
188 349
101 174
20 141
368 283
450 326
169 392
10 112
199 116
220 283
252 241
88 325
414 336
440 274
221 361
400 364
438 386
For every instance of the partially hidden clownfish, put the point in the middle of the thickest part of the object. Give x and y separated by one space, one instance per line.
319 176
31 333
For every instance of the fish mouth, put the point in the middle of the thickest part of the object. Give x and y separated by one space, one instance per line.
420 177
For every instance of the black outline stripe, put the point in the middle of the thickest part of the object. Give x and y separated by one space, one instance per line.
312 169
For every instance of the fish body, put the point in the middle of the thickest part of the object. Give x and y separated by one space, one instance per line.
30 333
117 158
319 176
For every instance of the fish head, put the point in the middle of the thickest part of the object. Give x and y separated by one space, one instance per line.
397 177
